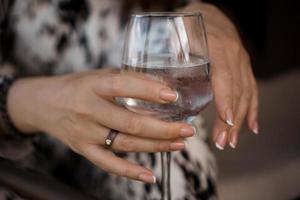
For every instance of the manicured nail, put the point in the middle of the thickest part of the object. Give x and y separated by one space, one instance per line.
177 146
255 128
187 131
229 117
221 140
168 95
148 178
233 141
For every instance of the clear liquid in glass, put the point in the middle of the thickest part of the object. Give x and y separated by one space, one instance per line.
191 81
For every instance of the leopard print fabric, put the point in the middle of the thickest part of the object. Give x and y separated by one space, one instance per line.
50 37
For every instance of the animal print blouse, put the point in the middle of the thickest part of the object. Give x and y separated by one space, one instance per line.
49 37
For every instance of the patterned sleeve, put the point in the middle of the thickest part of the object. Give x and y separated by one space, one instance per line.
6 37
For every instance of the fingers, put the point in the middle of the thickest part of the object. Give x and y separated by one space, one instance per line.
118 118
236 77
222 83
220 133
108 162
240 116
253 108
135 86
129 143
93 133
245 103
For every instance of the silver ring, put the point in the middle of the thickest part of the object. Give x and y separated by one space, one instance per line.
110 138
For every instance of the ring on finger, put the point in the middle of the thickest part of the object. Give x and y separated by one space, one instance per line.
110 138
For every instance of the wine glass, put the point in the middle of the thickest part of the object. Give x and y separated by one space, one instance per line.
169 47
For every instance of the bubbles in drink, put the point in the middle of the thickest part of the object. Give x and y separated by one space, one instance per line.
191 81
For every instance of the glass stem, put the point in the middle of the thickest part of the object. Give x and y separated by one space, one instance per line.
166 172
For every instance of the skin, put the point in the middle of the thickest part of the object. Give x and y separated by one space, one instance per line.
233 82
79 109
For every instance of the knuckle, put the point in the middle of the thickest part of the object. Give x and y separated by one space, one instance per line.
125 171
79 109
73 126
149 93
117 83
77 128
134 125
77 148
126 144
160 146
170 133
104 167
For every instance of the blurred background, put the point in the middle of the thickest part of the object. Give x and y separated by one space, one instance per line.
267 166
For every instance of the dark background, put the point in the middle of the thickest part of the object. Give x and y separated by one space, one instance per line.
270 30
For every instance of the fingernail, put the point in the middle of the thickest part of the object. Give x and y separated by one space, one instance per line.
168 95
187 131
229 117
145 177
255 128
233 141
221 140
177 146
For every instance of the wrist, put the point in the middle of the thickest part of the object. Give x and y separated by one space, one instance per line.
18 107
27 102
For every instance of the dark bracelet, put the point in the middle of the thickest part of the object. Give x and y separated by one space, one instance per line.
7 124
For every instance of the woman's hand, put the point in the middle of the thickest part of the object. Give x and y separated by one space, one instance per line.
79 110
233 83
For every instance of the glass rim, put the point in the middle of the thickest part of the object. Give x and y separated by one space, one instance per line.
167 14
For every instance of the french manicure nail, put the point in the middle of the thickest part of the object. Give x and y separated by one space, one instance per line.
229 117
229 122
187 131
147 178
219 147
168 95
221 140
233 141
177 145
255 128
